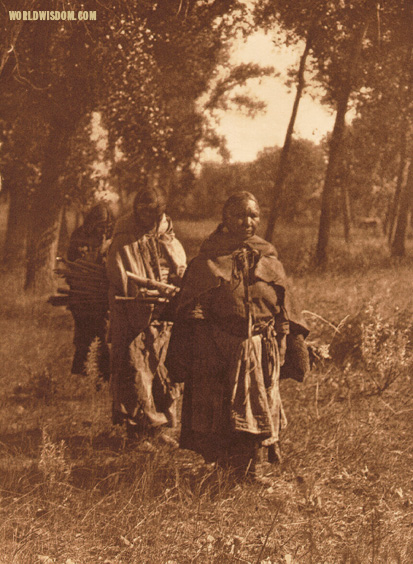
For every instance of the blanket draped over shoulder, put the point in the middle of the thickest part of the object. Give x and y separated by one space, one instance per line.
140 386
215 262
225 346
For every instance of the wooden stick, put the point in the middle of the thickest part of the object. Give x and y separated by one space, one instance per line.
140 299
94 275
85 264
92 266
83 293
65 300
86 283
63 290
153 284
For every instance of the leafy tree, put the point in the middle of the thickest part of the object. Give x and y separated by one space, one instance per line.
216 182
49 87
155 59
375 158
281 174
339 39
339 63
156 76
20 174
397 62
270 14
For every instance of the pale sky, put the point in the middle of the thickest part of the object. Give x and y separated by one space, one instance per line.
247 136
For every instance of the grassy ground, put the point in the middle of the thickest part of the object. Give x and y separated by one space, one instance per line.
73 491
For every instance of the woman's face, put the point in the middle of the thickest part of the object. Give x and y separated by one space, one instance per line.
242 219
149 217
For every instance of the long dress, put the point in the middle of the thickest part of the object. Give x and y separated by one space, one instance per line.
232 312
141 391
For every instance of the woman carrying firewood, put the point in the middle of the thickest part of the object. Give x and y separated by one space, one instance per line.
229 342
145 265
88 286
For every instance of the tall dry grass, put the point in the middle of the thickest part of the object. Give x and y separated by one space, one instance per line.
74 491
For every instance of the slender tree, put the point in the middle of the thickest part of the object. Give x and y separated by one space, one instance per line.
376 155
397 221
300 21
281 173
344 75
342 47
398 247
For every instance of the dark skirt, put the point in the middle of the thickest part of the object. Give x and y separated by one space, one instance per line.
231 404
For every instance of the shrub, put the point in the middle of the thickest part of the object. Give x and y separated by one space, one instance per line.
374 350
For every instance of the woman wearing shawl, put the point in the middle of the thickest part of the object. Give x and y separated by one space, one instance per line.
229 341
145 245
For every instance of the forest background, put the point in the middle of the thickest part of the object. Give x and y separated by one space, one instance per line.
95 110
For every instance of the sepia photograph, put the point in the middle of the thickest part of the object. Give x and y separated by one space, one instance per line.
206 281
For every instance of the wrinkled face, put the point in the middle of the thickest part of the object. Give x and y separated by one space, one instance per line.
242 219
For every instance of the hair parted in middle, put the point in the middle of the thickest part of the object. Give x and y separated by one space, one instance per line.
236 199
152 198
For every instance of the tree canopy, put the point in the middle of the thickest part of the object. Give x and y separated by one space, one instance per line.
155 71
142 65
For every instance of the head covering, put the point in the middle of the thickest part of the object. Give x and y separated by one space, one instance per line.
100 214
215 263
150 198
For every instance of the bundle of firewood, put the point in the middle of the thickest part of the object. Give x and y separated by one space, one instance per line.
87 286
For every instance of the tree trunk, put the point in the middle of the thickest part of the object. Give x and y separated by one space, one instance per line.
283 163
335 147
395 205
64 237
42 247
405 91
345 204
330 179
14 249
398 248
46 217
